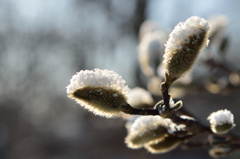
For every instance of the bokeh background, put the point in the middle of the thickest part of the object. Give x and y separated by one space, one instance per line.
44 43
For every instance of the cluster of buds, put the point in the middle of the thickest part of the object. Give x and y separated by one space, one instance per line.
155 128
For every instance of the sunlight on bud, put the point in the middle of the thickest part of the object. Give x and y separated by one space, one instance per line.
169 143
149 129
185 43
221 121
100 91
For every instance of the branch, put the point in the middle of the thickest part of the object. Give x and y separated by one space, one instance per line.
159 109
128 109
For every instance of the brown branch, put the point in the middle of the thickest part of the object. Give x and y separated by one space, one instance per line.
134 111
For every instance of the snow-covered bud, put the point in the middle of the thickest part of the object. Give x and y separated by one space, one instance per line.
149 129
185 117
169 143
100 91
185 43
221 121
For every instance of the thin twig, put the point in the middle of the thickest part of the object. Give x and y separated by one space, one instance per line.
128 109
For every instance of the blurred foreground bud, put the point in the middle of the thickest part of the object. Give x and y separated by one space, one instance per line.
218 37
149 129
100 91
169 143
148 27
221 121
219 152
185 43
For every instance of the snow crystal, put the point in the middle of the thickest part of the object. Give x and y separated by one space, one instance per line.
146 123
181 32
180 54
97 78
220 117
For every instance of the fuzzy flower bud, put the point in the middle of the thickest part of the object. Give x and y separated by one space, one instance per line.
149 129
100 91
221 121
185 43
169 143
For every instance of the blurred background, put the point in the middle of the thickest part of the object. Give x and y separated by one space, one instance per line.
44 43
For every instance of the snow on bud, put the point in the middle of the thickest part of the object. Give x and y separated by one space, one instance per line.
169 143
100 91
185 117
185 43
221 121
149 129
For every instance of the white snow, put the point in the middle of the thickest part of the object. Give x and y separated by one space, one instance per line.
181 33
220 117
171 103
98 78
146 123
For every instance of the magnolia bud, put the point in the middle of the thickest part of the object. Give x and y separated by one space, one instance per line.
185 43
102 92
149 129
169 143
221 121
